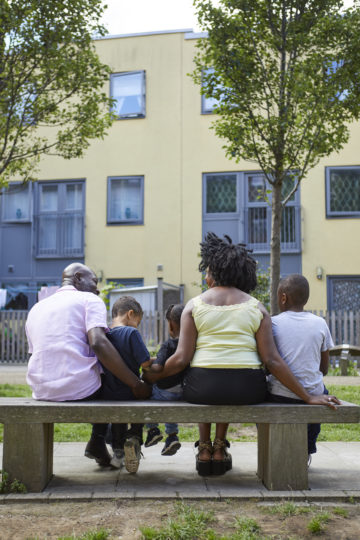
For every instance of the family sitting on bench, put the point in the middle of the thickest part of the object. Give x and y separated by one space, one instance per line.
226 340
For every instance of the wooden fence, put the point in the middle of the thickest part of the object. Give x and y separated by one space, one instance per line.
344 327
13 343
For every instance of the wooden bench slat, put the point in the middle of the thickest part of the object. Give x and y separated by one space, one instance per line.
27 410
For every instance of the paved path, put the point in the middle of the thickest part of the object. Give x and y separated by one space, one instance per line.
334 475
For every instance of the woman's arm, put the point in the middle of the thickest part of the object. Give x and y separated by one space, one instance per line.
276 365
185 349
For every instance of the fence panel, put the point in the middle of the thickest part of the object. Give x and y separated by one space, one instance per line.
344 326
13 343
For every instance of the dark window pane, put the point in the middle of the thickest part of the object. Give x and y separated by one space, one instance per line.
288 225
256 188
288 185
257 226
221 194
345 190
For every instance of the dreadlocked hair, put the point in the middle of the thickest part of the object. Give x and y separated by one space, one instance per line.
230 265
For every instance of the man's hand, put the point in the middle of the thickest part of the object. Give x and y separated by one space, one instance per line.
141 390
323 399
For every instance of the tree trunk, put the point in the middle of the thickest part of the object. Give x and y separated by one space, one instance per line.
276 219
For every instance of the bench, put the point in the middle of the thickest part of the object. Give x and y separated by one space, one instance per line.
346 353
282 432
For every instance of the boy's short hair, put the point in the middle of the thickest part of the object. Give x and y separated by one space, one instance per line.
173 313
124 304
296 287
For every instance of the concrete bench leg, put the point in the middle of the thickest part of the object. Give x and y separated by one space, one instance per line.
28 454
282 456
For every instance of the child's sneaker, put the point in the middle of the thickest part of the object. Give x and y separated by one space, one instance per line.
117 461
172 445
132 454
154 436
96 449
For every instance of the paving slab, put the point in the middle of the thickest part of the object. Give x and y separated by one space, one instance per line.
334 475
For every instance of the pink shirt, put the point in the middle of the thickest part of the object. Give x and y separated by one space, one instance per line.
62 366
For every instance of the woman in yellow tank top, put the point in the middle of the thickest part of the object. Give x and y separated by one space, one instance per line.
226 337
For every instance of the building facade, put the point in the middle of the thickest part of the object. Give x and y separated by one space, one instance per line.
142 198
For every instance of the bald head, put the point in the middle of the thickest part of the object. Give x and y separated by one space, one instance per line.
81 277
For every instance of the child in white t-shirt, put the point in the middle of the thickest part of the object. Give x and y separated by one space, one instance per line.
303 341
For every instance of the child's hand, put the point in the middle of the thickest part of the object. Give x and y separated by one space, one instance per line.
147 365
151 376
157 368
323 399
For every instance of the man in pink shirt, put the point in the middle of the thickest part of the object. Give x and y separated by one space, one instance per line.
67 335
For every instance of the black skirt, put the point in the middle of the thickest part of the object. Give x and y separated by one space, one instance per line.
213 386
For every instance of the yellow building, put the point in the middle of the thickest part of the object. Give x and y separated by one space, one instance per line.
146 194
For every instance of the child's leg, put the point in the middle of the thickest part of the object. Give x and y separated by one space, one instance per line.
118 432
171 429
136 430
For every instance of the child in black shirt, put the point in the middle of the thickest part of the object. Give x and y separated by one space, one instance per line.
126 317
170 388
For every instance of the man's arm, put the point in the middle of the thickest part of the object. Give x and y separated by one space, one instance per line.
111 359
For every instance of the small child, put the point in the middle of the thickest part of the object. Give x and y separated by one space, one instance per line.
170 388
303 341
126 317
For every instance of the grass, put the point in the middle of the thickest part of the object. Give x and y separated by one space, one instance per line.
101 534
317 524
189 432
187 524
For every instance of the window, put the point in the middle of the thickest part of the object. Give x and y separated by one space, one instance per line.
60 219
344 293
125 200
207 103
16 203
128 89
342 191
239 204
259 214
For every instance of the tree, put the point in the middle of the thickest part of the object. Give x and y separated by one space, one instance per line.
51 82
286 75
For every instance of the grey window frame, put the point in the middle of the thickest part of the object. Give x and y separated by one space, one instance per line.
4 192
142 114
337 214
243 205
139 221
61 215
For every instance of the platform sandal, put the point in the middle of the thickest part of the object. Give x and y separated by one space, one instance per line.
221 466
203 467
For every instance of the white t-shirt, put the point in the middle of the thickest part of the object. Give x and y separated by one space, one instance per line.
300 338
62 365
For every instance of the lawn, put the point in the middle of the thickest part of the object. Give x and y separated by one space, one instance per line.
189 432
